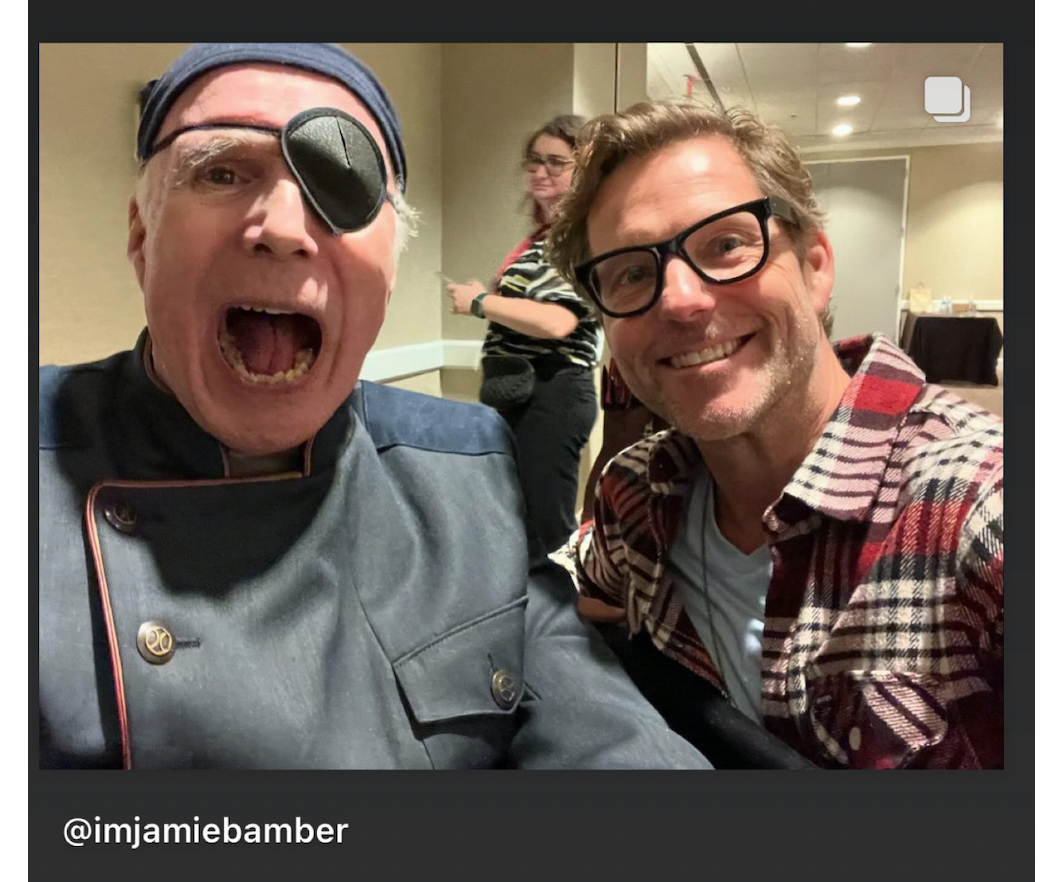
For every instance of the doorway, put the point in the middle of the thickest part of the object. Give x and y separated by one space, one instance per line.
864 203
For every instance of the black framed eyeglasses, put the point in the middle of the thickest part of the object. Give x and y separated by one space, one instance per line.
724 248
554 165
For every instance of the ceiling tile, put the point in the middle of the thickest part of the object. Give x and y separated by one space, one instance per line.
774 65
794 85
840 64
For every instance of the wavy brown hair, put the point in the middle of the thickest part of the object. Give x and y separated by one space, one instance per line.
644 129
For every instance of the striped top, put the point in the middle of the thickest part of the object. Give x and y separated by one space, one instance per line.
529 274
883 639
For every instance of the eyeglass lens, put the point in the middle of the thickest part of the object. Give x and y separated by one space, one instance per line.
553 164
722 250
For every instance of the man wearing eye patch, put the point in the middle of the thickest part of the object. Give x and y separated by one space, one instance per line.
248 559
818 537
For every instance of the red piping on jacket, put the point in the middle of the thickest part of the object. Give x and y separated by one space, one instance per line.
104 590
111 630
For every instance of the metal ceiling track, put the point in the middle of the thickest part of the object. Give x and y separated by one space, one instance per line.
703 75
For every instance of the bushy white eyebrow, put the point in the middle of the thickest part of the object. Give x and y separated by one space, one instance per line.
188 157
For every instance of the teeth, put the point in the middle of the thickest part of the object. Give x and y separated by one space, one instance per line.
248 307
705 356
302 363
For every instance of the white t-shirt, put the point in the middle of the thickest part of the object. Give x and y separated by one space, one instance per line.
737 586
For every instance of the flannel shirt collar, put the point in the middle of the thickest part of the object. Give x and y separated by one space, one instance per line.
841 476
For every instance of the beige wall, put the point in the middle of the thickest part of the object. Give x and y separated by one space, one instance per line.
412 73
494 95
955 222
594 79
954 239
90 305
632 66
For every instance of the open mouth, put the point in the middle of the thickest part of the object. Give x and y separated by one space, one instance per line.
269 346
709 355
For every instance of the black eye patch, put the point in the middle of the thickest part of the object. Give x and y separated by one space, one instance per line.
339 167
336 162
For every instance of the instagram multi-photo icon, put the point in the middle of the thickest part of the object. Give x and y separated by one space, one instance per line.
947 99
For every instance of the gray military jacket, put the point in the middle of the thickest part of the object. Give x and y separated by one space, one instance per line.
373 610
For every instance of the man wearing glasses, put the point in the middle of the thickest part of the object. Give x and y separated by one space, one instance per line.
819 536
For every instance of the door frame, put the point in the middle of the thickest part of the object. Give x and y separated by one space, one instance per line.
898 317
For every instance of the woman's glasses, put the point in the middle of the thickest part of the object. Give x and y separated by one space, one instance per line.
554 165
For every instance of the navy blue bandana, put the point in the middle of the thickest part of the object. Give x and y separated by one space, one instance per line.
328 59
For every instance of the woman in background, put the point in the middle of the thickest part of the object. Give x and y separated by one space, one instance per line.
533 314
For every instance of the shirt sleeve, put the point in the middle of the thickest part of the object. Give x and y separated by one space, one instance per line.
980 564
534 278
979 578
973 698
599 550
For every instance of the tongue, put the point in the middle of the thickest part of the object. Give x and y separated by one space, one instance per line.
268 343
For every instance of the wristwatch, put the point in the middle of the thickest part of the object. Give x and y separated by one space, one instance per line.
477 305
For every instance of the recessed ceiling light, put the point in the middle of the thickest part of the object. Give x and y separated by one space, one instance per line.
848 101
842 130
858 45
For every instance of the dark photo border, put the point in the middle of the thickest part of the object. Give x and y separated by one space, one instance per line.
403 825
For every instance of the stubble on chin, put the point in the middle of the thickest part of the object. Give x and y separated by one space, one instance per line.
709 421
776 388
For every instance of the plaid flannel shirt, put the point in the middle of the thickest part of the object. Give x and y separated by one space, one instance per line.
883 639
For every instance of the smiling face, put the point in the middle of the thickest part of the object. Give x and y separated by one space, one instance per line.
260 318
714 360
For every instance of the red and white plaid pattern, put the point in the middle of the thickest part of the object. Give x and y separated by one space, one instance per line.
883 641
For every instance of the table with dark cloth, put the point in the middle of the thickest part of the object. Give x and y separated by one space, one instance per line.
954 347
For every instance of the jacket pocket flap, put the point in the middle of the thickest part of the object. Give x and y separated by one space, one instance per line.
476 668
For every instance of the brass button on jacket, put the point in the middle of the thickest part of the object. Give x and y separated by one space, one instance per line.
503 688
121 516
155 642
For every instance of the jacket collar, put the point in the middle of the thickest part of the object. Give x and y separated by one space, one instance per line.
160 440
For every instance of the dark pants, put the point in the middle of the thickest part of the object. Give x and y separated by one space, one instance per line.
696 710
551 429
